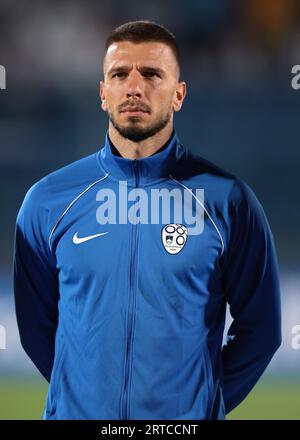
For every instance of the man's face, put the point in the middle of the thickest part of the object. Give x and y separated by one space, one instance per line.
140 90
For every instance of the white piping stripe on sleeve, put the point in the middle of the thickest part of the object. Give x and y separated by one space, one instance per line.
68 207
209 216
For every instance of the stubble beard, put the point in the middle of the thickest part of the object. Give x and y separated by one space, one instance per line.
136 133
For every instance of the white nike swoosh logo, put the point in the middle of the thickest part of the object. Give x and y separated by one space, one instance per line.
78 240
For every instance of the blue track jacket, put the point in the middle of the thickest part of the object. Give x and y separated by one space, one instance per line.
125 320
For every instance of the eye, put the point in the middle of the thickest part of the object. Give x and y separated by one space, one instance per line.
151 74
119 74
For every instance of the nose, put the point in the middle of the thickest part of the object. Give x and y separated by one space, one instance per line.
134 85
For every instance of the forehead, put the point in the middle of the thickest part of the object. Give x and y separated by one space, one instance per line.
155 54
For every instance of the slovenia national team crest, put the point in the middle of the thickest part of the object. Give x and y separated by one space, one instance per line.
174 237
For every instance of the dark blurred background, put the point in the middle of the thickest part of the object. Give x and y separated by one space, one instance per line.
241 112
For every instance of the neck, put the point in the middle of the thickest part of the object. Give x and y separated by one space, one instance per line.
138 150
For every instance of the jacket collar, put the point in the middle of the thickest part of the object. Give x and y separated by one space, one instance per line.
142 171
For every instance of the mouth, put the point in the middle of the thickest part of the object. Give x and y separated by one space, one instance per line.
134 111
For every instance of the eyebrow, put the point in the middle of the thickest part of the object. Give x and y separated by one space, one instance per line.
141 69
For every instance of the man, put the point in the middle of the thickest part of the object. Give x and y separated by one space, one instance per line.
124 316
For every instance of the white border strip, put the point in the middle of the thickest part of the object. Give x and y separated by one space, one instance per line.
191 192
68 207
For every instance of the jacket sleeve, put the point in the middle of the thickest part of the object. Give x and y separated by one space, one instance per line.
251 282
35 282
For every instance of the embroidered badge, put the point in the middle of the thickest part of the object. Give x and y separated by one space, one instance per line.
174 237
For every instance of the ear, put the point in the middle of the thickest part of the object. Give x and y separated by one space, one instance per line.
102 96
180 94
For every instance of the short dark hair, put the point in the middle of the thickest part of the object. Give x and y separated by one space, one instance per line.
141 31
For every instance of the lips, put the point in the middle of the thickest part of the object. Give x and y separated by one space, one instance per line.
133 110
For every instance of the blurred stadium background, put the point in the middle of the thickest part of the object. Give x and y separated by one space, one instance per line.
241 113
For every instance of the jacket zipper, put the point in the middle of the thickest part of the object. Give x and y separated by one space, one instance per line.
131 302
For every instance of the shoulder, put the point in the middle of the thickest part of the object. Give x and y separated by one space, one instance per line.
51 193
75 174
227 197
219 185
218 182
